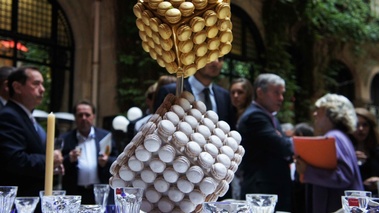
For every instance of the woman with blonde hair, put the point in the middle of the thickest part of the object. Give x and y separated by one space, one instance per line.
334 117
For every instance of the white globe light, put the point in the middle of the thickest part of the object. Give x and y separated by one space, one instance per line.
120 122
134 113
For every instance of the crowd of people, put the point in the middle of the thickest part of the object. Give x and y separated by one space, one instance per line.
249 107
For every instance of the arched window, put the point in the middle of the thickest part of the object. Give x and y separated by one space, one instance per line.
36 32
247 48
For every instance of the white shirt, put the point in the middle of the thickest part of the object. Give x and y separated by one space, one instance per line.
197 89
87 161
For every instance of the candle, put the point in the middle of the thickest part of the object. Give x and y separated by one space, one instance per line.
49 165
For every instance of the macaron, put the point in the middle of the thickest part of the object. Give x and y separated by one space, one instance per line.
224 126
161 185
139 183
145 16
224 159
192 149
183 102
171 116
146 129
115 167
181 164
167 153
185 128
187 8
229 176
227 151
171 67
185 46
204 130
218 171
167 45
184 185
195 174
189 70
222 10
152 143
165 128
197 24
212 31
152 195
140 25
237 158
213 55
137 9
241 150
142 154
170 175
219 133
205 160
116 182
126 173
229 141
222 188
163 7
175 194
195 113
208 185
186 205
199 105
226 36
208 123
200 4
192 121
201 49
135 164
210 18
233 166
153 4
146 206
198 138
213 139
196 197
236 135
187 95
184 33
179 139
199 37
187 58
176 3
178 110
213 43
164 31
156 165
154 24
225 48
173 15
211 149
148 176
165 205
224 24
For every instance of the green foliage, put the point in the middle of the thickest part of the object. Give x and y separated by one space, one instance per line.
344 21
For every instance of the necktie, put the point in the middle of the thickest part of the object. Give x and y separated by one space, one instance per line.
40 131
207 99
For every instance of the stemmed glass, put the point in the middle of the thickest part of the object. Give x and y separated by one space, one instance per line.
101 192
26 204
58 145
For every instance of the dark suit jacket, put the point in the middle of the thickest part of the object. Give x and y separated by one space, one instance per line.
70 179
22 155
224 106
265 165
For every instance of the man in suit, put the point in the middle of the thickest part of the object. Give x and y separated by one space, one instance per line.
22 153
265 165
85 163
5 71
203 78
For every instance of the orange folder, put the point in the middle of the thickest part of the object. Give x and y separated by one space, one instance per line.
316 151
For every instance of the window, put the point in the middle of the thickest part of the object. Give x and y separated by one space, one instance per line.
36 32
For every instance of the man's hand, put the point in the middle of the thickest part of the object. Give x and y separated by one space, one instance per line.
103 159
301 165
74 155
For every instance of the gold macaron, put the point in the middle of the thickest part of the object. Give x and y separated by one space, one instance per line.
201 49
213 43
213 55
140 24
197 24
185 46
224 24
164 31
184 33
201 62
137 9
154 23
173 15
168 56
163 7
171 67
223 10
199 37
226 36
186 8
153 4
167 44
176 3
146 16
225 48
189 70
187 58
212 31
200 4
210 18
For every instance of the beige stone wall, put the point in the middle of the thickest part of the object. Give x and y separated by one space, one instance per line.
81 17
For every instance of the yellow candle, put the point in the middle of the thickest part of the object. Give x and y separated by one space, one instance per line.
49 166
